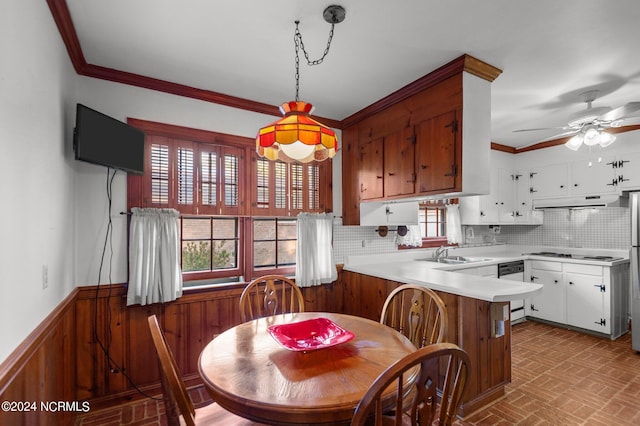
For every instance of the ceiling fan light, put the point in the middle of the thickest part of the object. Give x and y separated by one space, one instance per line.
606 139
575 142
591 136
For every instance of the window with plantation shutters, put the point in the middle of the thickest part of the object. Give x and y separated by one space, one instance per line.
286 189
238 210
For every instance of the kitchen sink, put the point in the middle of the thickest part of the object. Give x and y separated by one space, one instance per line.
454 260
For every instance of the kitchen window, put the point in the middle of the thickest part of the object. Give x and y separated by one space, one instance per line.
237 210
274 245
432 220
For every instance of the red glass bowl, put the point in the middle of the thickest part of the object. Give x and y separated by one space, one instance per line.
310 335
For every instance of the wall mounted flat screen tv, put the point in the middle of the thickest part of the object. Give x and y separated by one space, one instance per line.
105 141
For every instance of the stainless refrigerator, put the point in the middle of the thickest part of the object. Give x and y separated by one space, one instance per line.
634 257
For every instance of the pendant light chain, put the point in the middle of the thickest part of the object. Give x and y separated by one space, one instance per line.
297 38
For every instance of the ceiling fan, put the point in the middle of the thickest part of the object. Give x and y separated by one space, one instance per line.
588 125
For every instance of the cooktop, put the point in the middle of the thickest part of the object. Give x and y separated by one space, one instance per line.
575 256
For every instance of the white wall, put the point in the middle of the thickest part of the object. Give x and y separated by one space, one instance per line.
37 107
122 101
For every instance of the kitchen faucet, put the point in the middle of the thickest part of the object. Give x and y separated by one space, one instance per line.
442 251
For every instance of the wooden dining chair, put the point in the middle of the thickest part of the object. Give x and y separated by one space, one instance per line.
175 395
270 295
441 366
417 312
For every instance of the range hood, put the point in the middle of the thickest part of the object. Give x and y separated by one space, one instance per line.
584 201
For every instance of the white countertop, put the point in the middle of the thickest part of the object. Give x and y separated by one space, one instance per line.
404 267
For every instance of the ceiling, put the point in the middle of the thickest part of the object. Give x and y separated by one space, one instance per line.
550 51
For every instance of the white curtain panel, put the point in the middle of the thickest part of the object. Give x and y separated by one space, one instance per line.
154 257
314 250
413 238
454 224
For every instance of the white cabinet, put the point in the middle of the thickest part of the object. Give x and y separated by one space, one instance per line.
550 304
384 214
508 202
586 298
549 181
592 177
589 297
580 177
524 213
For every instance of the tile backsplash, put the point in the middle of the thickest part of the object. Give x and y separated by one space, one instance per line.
605 228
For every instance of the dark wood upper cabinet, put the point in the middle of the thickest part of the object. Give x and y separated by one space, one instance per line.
437 146
434 141
399 158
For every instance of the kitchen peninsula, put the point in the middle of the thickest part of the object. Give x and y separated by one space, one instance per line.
477 309
477 305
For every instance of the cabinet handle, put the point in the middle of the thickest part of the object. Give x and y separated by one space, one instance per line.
533 278
555 281
602 287
362 188
531 190
575 184
533 308
622 179
561 186
391 174
532 174
571 283
614 182
602 322
482 213
379 177
422 166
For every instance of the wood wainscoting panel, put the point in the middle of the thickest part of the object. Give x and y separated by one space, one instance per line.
93 348
42 371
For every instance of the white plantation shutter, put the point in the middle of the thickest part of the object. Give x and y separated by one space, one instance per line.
159 174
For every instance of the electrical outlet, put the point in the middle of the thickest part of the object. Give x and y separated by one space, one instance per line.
45 276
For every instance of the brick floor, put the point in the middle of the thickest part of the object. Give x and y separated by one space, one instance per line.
559 377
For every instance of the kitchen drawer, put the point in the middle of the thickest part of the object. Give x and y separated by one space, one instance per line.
546 265
583 269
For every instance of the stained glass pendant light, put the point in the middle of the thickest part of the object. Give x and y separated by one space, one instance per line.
297 137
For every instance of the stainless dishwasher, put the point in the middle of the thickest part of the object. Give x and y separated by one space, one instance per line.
513 271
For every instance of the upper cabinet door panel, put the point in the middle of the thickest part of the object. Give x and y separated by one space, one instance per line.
549 181
399 157
371 169
592 177
436 167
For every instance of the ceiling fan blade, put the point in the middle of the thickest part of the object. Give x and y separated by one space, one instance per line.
564 134
540 128
621 112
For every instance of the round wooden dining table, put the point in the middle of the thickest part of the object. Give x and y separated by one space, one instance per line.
250 374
